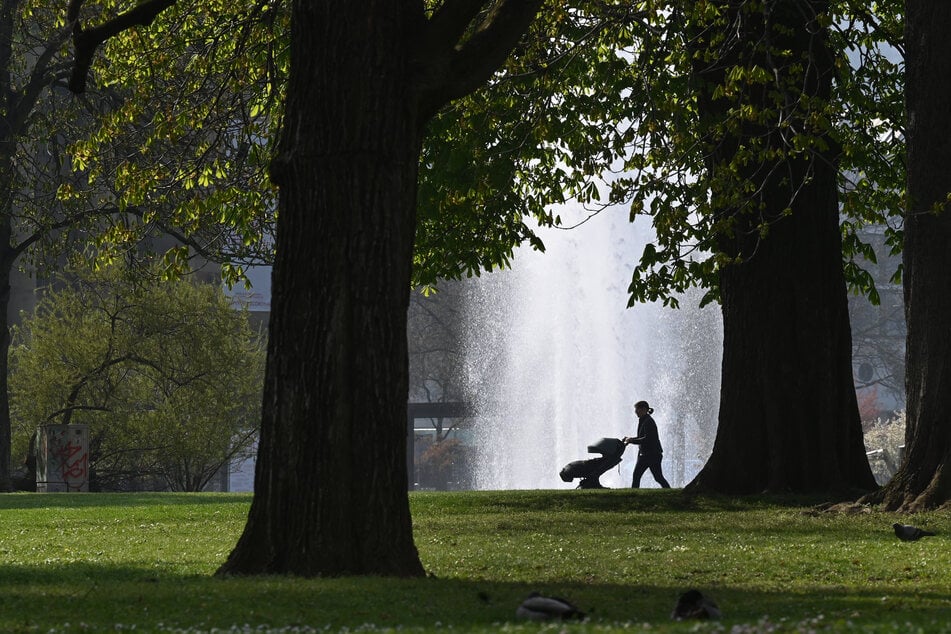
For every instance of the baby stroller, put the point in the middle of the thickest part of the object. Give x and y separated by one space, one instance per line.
590 470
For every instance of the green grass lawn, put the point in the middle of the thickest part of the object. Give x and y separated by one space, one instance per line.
118 562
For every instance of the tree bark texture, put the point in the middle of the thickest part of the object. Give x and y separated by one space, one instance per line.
8 254
788 417
331 487
924 480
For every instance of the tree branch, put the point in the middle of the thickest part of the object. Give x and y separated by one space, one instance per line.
70 220
73 408
464 66
449 23
87 41
40 78
206 250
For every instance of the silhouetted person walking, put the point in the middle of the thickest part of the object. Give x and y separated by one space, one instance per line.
650 453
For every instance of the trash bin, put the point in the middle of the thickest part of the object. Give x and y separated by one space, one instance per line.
62 458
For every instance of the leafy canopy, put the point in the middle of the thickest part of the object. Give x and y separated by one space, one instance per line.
184 141
600 107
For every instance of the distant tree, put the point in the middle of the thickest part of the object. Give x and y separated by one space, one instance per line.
435 345
436 352
167 375
442 461
437 367
878 335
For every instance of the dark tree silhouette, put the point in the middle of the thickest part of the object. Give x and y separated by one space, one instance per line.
924 480
331 482
788 416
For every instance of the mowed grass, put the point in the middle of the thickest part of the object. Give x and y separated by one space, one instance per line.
144 562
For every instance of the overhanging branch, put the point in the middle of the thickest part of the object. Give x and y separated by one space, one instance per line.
464 66
449 23
87 41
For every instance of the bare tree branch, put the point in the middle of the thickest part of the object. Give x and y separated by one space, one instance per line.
43 75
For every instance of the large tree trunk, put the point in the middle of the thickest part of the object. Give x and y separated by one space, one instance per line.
788 417
331 480
330 488
8 100
924 480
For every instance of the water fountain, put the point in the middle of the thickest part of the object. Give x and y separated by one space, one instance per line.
555 361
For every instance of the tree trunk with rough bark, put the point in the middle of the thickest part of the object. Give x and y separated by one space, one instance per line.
331 479
788 417
924 480
330 489
8 102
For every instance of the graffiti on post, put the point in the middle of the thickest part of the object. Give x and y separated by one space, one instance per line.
62 462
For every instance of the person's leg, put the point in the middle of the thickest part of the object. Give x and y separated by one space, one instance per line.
639 468
658 474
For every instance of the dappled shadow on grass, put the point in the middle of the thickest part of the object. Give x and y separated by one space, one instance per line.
88 500
14 576
102 596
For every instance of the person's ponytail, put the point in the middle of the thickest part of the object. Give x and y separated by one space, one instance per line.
650 410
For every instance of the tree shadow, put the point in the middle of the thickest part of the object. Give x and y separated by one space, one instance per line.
23 501
102 596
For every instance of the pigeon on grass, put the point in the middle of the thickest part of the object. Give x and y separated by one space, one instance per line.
541 608
692 604
909 533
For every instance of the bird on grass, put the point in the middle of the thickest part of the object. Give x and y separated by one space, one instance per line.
909 533
692 604
541 608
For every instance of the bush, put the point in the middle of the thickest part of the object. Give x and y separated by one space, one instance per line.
167 375
885 441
